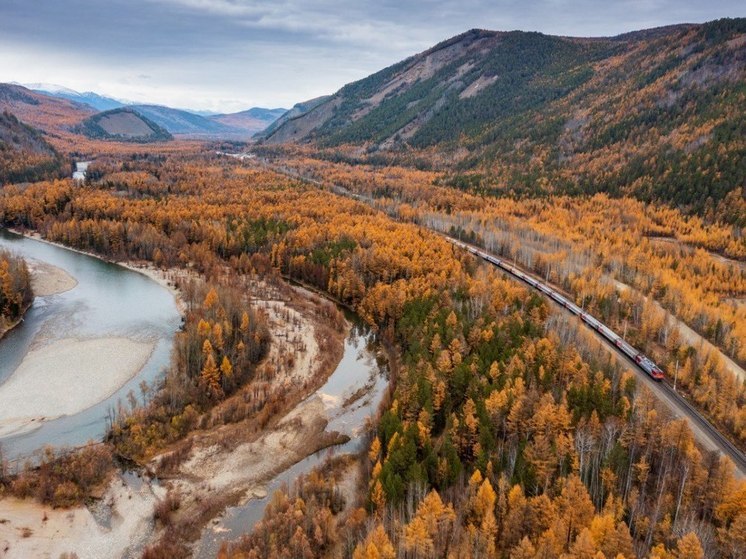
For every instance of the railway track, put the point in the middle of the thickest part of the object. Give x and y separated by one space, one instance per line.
727 447
724 445
644 369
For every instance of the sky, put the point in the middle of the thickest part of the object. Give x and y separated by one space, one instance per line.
229 55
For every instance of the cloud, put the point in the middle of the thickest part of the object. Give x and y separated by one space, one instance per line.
232 54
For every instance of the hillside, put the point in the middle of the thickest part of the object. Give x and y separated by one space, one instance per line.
123 124
51 115
300 111
251 121
177 121
24 154
656 114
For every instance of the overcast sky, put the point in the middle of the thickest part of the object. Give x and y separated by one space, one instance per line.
229 55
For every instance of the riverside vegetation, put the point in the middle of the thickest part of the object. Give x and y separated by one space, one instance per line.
16 294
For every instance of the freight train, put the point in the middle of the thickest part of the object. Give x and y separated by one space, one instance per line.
644 362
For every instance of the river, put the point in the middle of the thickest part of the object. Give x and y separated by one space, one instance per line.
108 303
112 301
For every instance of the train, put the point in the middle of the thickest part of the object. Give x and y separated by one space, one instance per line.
642 360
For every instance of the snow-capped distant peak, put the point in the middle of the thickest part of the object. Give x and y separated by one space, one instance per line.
50 88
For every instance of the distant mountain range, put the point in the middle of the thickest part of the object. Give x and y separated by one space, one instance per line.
98 102
657 114
256 119
177 121
54 115
182 122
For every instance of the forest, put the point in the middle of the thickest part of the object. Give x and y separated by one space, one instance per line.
16 294
25 155
650 272
502 437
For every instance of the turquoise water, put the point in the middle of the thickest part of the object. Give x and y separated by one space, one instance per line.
109 300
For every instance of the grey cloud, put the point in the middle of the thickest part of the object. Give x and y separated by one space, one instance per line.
235 53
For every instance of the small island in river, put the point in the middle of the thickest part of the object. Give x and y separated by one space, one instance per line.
16 293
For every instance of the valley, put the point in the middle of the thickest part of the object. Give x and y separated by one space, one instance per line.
707 434
485 302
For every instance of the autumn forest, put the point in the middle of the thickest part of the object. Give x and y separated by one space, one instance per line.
508 427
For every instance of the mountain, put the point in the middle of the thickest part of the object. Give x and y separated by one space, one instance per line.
24 154
49 114
657 114
299 110
207 124
124 124
177 121
250 121
94 100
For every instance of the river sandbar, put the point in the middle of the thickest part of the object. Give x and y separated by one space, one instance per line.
49 280
67 377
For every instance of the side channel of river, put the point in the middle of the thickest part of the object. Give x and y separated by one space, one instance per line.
351 395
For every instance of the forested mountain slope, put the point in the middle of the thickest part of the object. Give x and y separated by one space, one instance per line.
656 114
24 154
51 115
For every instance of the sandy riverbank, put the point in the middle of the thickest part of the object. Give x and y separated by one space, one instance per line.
119 527
67 377
49 280
247 464
303 353
234 462
168 279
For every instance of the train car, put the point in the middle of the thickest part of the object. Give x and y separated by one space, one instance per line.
592 322
649 367
609 333
627 349
558 298
574 308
